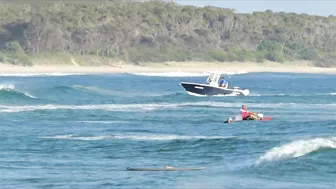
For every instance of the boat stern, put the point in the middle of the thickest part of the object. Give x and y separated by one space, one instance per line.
246 92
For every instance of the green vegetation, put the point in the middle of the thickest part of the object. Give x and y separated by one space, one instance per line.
159 31
13 53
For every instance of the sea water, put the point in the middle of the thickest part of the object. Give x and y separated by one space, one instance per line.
83 131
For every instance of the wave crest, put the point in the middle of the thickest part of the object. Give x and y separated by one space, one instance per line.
152 106
185 74
172 74
297 149
106 107
9 90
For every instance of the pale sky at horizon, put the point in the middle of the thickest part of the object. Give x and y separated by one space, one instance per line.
322 8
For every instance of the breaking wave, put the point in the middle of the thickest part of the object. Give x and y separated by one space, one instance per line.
107 107
173 74
138 137
184 74
154 106
10 91
298 148
254 105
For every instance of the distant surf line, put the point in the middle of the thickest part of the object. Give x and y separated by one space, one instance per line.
184 74
154 106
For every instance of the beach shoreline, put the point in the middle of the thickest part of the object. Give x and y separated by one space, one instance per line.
191 67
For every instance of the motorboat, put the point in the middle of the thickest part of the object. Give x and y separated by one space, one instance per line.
212 88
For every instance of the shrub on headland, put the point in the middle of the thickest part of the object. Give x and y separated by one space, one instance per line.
14 54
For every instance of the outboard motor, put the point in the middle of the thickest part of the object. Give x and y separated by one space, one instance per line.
246 92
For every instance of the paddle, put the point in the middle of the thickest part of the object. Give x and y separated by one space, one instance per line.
257 114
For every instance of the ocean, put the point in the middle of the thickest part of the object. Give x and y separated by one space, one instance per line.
83 131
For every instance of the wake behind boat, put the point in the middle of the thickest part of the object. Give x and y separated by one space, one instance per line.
212 88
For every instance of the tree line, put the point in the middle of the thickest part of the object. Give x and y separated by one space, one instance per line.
158 31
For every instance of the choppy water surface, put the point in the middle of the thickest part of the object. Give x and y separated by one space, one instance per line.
83 131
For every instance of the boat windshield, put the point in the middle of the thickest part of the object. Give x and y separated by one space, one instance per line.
210 78
213 78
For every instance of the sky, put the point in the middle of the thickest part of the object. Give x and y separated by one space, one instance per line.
322 7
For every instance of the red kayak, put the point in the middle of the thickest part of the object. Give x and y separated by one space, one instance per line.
263 119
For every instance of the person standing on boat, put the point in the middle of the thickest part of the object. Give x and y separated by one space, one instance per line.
223 83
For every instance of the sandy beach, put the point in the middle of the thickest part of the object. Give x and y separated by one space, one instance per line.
168 67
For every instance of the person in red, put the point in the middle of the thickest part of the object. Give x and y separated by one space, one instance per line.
246 115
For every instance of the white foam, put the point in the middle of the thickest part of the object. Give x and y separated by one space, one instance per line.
38 74
255 105
228 72
234 73
186 74
255 94
59 137
172 74
195 94
152 107
137 137
7 87
106 107
231 94
29 95
297 149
